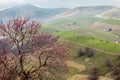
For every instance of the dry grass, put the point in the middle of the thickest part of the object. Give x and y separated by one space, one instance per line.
75 65
84 77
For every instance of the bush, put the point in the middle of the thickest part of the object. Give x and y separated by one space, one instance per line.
116 71
94 75
114 67
118 57
110 29
108 64
86 51
117 77
89 52
80 53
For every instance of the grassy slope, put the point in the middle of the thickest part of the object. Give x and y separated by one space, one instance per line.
112 21
81 26
50 28
98 60
89 41
96 33
105 24
80 22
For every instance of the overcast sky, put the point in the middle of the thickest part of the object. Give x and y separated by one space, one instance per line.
58 3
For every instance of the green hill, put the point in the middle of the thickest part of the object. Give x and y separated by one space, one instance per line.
102 45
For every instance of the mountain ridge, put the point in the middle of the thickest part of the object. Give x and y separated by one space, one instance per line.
30 11
82 12
51 14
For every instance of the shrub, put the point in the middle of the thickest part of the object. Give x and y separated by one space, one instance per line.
94 75
118 57
116 71
86 51
80 53
117 77
110 29
108 64
89 52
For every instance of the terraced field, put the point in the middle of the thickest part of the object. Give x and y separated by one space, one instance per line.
106 46
95 33
53 27
112 21
84 25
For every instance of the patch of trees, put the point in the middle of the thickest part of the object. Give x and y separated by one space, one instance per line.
94 75
114 67
87 51
29 55
74 23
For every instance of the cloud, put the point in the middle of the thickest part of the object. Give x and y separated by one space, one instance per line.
10 3
59 3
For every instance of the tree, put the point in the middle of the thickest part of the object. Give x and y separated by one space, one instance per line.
41 52
114 67
94 75
118 57
109 64
117 77
7 60
80 53
110 29
89 52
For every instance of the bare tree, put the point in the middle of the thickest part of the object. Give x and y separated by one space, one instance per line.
28 46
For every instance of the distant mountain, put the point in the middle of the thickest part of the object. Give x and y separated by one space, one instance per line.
113 13
47 15
92 10
82 11
30 11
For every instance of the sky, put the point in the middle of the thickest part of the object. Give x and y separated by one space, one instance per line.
58 3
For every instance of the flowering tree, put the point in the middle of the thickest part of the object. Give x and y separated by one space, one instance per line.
27 54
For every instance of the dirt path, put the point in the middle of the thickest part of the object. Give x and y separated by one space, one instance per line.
78 77
75 65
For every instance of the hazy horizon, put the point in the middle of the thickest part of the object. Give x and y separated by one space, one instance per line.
61 3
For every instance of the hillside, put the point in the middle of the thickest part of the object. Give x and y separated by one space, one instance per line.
84 26
82 12
113 13
28 10
51 14
105 27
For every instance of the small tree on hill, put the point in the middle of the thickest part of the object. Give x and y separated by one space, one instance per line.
117 77
109 64
110 29
80 53
89 52
94 75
